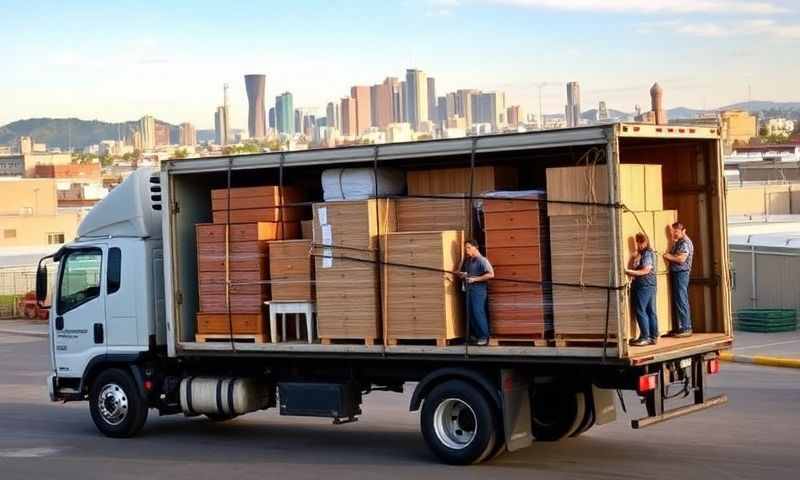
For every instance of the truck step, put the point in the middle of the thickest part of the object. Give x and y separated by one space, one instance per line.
238 338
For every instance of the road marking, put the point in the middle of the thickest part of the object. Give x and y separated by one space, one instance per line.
35 452
768 344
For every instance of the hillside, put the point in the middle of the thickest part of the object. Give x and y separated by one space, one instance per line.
66 132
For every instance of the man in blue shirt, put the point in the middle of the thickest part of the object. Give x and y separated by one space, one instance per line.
643 292
680 267
476 271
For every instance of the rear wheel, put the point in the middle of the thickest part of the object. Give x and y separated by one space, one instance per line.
588 416
116 407
556 413
459 423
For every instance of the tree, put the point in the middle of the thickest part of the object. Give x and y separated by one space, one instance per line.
106 160
180 153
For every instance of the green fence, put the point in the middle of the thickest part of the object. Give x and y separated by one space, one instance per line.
766 320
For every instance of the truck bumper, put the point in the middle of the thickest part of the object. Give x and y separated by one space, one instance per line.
679 412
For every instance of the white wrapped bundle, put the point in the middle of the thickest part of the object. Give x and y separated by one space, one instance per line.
359 183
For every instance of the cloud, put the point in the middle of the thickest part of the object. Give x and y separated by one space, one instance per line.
761 27
654 6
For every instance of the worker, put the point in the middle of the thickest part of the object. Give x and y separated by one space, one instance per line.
680 265
476 271
643 291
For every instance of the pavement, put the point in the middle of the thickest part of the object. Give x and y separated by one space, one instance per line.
31 328
753 437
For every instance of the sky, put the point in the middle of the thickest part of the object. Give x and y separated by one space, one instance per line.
116 61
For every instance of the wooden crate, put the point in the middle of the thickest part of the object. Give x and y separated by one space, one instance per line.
246 232
291 270
252 215
433 214
220 323
347 300
419 303
239 303
502 204
517 220
457 180
254 197
518 314
530 237
350 228
640 188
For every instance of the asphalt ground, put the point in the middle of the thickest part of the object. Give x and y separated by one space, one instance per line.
755 436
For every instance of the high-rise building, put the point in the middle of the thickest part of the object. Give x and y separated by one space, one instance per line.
657 104
136 140
162 134
490 107
348 117
187 134
399 114
463 105
361 95
271 117
222 128
147 127
441 111
332 113
416 97
256 118
25 145
284 113
513 116
382 99
573 108
602 112
432 115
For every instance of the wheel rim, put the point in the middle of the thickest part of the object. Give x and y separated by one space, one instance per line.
455 423
113 404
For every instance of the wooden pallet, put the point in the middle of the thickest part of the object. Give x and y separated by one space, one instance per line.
518 342
439 342
350 341
237 338
582 340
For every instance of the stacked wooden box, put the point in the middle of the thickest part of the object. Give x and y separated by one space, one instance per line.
581 247
256 204
421 302
458 180
514 232
291 270
433 214
347 267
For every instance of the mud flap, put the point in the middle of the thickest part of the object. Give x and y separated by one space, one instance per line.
516 409
605 410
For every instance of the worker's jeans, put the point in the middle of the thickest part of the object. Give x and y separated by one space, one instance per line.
476 304
680 299
644 301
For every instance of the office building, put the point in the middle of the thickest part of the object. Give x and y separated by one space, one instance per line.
147 127
399 132
490 108
256 118
284 113
441 111
399 102
382 99
332 114
272 117
25 145
348 117
162 134
514 116
222 127
432 100
361 95
187 134
416 97
737 127
573 107
463 105
602 112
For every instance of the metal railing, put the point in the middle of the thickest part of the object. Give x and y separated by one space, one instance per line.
15 283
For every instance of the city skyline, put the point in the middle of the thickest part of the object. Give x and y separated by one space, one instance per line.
614 48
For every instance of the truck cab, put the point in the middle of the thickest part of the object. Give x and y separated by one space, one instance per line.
107 288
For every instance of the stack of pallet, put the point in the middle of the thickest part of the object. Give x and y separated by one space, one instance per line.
581 245
421 301
291 271
514 233
347 268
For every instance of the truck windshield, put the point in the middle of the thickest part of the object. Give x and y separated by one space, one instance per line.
80 279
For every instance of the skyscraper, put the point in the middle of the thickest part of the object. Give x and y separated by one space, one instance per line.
382 99
399 114
416 97
513 116
602 112
271 117
361 94
222 128
147 127
573 108
284 113
256 118
187 134
432 100
332 113
490 107
464 107
349 117
162 137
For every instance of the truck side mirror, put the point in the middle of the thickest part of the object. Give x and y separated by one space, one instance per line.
41 285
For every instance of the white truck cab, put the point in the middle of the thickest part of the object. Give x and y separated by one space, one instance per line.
108 295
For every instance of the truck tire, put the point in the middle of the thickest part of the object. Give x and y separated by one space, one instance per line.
459 423
557 412
117 408
588 417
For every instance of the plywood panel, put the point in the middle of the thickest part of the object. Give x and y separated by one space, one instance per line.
433 214
518 314
254 197
583 311
457 180
273 214
291 270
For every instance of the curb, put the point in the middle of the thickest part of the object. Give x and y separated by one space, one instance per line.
26 333
761 360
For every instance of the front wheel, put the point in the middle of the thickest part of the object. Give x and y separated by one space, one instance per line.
116 407
459 423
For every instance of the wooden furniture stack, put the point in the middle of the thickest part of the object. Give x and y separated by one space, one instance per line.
421 302
256 204
291 270
457 180
433 214
581 247
516 246
347 268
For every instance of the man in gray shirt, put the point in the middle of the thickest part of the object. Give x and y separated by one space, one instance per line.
680 267
476 271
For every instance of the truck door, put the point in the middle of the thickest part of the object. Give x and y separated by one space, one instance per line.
80 310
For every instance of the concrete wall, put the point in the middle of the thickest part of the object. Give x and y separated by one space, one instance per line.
28 196
764 200
777 277
30 230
